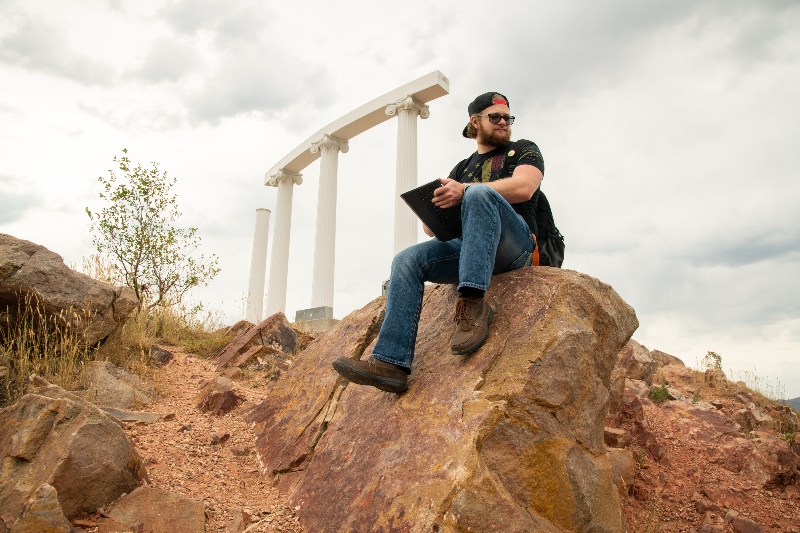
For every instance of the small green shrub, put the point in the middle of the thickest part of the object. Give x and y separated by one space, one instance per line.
659 395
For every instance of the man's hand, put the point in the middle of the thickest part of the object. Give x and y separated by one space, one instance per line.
427 230
449 194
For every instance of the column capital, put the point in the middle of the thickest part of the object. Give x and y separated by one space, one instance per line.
284 174
408 103
329 141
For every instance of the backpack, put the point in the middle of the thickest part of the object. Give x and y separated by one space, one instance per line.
549 242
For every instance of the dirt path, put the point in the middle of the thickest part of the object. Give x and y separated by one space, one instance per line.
180 456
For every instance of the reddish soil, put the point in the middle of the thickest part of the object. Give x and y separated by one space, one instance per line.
180 457
690 477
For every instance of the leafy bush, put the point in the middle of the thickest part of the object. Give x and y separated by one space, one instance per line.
659 395
135 233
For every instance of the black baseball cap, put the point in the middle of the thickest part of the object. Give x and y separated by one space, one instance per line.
482 102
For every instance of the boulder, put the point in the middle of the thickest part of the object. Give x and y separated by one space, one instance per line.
624 468
51 436
616 437
157 511
714 378
637 387
507 439
30 273
616 389
275 332
637 362
110 386
43 514
679 377
663 359
160 356
743 525
218 397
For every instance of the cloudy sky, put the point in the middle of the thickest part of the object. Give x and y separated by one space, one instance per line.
669 131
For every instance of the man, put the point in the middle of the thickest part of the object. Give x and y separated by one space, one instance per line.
498 220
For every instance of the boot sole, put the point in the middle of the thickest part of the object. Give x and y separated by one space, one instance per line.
359 377
469 349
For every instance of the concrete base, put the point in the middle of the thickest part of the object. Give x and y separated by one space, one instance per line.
313 313
319 324
315 319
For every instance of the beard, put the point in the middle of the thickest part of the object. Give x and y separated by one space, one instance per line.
494 138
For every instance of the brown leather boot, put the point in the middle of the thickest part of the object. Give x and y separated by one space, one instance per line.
473 316
374 372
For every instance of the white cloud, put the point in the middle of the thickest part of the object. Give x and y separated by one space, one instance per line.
39 45
14 201
168 60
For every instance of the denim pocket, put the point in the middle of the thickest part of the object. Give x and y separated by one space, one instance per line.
526 259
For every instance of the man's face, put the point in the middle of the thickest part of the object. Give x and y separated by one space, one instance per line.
493 134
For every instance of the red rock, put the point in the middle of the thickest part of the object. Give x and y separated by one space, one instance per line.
219 438
275 331
151 509
616 438
637 362
53 437
509 437
218 397
743 525
42 514
714 378
664 359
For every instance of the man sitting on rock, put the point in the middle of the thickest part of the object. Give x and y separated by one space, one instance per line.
498 219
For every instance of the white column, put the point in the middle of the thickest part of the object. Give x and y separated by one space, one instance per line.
284 180
258 267
405 221
325 241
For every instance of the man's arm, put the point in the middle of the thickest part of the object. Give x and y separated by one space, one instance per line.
519 187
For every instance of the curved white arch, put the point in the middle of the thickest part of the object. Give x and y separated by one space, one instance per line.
423 90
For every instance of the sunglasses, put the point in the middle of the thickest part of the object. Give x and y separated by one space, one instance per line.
494 118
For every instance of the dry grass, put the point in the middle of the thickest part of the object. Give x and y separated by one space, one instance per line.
38 343
46 345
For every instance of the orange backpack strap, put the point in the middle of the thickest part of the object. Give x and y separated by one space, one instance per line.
535 250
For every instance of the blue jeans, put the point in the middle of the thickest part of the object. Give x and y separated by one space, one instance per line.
495 239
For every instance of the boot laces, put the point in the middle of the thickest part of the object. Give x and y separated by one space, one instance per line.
462 317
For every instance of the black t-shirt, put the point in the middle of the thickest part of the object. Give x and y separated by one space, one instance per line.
483 168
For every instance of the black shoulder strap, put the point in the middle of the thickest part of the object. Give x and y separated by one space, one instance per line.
511 157
459 168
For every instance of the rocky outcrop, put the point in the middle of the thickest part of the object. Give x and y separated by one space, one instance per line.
637 362
274 332
32 274
107 385
43 514
53 437
507 439
731 450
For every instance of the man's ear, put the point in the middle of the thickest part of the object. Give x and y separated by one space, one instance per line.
474 121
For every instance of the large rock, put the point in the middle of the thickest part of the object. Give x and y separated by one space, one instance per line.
43 514
157 511
218 397
275 332
637 362
51 436
507 439
110 386
30 271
